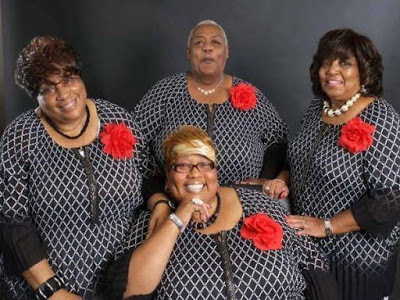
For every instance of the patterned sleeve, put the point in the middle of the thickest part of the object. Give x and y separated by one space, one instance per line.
379 210
274 137
19 242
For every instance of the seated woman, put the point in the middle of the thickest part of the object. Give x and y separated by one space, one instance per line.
69 181
220 243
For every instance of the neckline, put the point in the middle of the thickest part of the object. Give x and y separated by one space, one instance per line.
54 142
186 77
362 112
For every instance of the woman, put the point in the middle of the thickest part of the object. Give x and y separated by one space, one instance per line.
248 132
219 243
345 166
69 180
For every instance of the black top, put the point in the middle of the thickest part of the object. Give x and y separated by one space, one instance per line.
227 266
328 179
55 204
242 138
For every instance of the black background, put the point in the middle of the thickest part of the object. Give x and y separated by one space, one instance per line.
128 45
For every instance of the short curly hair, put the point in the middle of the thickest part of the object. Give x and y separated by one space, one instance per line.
42 57
188 140
342 44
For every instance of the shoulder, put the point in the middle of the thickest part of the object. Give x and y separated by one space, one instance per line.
20 135
177 81
109 111
385 119
256 202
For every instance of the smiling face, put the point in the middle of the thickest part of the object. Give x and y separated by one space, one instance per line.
207 51
63 99
340 78
185 186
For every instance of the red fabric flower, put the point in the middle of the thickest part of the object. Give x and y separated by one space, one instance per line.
356 135
118 140
264 231
243 96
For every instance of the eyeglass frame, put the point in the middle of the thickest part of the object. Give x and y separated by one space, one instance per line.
211 164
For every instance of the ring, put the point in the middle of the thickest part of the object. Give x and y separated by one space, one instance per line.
266 188
304 223
197 201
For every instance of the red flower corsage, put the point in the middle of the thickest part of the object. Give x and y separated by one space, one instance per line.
118 140
356 135
243 96
264 231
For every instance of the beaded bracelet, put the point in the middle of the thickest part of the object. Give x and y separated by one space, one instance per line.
49 287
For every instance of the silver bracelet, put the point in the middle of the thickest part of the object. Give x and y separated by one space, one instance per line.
178 222
328 227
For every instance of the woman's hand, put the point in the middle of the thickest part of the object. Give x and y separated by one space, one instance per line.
275 188
187 209
63 294
307 225
158 216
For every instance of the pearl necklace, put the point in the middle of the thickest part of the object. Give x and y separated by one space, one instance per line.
330 112
210 91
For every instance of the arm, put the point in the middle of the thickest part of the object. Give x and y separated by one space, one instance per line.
150 259
22 249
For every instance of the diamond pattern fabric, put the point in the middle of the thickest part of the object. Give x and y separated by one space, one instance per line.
327 179
195 270
241 137
46 184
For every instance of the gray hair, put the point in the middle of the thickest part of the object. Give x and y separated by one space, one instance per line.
207 22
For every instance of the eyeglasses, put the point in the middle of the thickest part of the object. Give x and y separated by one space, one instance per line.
49 88
186 168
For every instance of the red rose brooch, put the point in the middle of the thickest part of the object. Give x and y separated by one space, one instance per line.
243 96
264 231
356 135
118 140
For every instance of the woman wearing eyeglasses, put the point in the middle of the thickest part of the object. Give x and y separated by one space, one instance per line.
219 243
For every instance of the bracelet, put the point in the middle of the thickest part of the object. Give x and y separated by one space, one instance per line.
178 222
170 204
328 227
49 287
281 180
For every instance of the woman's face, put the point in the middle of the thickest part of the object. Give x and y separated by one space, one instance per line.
63 99
201 184
340 79
207 51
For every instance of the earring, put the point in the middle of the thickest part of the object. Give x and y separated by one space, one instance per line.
363 90
166 189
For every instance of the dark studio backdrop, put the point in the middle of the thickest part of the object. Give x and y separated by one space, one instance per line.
127 45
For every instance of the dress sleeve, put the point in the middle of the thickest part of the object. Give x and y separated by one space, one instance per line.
20 245
378 210
274 137
321 285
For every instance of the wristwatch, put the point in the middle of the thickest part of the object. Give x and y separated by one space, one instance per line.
171 204
328 227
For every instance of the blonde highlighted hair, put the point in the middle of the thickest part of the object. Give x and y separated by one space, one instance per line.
188 140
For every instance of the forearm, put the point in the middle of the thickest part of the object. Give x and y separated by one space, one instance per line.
344 222
38 274
150 259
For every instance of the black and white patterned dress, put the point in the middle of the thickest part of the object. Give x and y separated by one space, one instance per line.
49 186
227 266
327 179
241 137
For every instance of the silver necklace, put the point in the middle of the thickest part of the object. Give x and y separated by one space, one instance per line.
210 91
330 112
